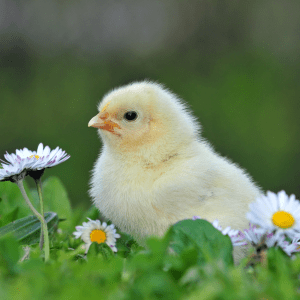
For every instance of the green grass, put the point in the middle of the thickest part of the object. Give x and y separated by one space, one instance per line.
200 265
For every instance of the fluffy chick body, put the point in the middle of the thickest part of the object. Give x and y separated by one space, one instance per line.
157 170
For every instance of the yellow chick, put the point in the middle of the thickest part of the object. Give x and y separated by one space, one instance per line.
155 169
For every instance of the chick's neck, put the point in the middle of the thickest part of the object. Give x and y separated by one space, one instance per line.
153 156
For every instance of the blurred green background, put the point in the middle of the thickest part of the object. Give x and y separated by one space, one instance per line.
236 63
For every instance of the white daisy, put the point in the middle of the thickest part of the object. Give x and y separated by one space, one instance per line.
254 235
94 231
236 236
278 213
42 158
12 172
24 161
292 247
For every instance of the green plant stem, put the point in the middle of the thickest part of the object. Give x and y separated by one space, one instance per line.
39 216
39 189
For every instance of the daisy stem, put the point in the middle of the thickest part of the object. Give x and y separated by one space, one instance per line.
39 216
39 188
44 238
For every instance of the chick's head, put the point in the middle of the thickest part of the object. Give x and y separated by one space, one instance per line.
144 117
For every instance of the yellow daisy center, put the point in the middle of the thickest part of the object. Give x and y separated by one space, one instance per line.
283 219
36 156
98 236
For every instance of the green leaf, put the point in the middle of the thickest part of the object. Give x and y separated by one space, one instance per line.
12 198
56 199
9 217
92 213
210 243
9 255
100 249
81 213
27 230
126 245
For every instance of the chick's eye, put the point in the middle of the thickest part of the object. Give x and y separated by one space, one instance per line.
130 115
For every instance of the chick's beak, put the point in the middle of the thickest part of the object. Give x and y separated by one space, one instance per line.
103 122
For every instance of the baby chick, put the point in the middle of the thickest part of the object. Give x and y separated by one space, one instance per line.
155 169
